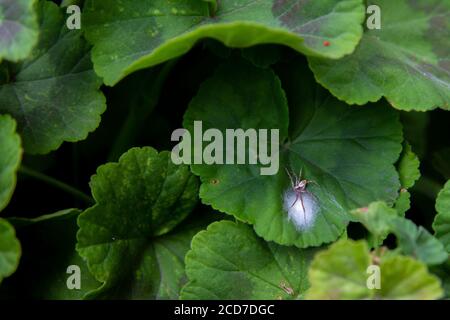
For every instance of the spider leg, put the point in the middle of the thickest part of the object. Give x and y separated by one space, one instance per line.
303 206
290 177
296 199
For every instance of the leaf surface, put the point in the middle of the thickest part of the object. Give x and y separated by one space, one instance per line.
228 261
441 224
341 273
18 29
9 250
10 157
130 35
407 60
350 159
139 199
412 240
53 94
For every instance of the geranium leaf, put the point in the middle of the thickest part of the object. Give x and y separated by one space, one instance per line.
9 250
18 29
416 241
53 94
403 203
10 157
350 160
169 29
37 278
139 199
408 167
341 272
404 278
406 61
228 261
441 224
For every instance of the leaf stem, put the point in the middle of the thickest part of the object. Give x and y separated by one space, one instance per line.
56 183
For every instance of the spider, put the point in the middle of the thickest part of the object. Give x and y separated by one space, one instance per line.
299 186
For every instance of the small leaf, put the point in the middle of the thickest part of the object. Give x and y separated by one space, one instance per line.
441 224
54 94
129 35
416 241
350 160
228 261
139 199
406 61
18 29
10 157
408 167
341 272
9 250
403 203
48 246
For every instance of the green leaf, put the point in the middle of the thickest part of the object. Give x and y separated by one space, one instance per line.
10 157
18 29
416 241
9 250
350 160
48 246
406 61
404 278
130 35
441 224
403 203
139 199
54 93
341 272
408 167
228 261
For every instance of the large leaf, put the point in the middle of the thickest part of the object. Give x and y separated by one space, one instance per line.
9 250
228 261
48 246
139 199
10 156
341 272
406 61
413 240
131 35
18 29
350 158
54 93
441 224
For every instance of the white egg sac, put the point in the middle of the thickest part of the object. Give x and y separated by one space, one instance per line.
302 219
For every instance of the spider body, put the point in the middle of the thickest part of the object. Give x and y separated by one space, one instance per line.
299 186
299 193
